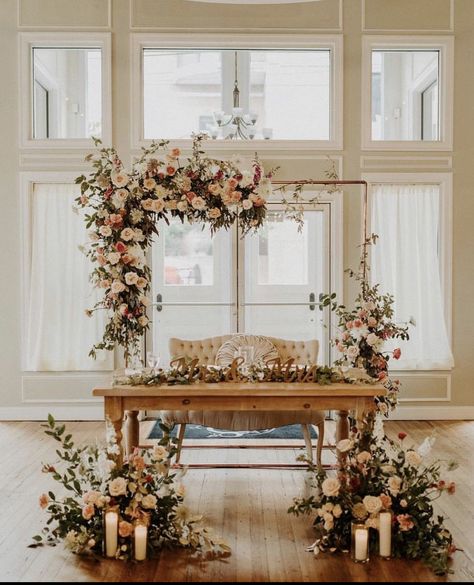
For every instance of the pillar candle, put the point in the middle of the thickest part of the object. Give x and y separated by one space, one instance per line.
111 528
361 544
385 534
140 542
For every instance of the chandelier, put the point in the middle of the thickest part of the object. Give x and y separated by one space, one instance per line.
238 124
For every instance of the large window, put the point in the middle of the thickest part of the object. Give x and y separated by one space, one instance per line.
409 261
407 93
281 92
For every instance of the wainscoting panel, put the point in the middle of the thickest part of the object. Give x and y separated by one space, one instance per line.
424 387
168 14
62 388
66 14
406 163
408 15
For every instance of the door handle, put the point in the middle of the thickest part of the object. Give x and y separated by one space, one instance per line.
312 300
159 300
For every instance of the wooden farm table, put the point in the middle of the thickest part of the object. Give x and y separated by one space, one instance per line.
261 396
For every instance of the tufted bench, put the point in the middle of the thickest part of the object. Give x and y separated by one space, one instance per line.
303 352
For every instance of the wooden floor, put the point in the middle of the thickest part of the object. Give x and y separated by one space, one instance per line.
246 506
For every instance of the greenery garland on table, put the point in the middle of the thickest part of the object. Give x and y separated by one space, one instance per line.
143 489
122 209
377 474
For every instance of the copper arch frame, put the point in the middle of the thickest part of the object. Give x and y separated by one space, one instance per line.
365 206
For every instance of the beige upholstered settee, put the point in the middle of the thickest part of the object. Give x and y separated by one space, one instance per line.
304 352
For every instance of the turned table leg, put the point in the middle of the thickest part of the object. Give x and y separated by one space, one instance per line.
132 430
342 430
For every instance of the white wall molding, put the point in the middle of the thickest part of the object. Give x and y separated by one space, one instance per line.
406 163
265 30
406 412
450 28
69 27
429 376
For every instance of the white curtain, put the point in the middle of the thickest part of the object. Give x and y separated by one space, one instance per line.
58 333
405 261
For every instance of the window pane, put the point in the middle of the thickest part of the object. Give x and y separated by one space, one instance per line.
401 108
59 335
282 252
67 98
188 255
181 91
290 92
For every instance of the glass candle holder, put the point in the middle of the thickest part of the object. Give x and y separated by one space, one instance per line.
359 542
385 534
110 532
140 540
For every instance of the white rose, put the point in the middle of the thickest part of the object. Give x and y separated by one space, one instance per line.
158 205
161 191
118 487
149 184
119 198
145 301
265 188
105 230
149 502
182 205
247 204
117 287
388 469
344 445
328 507
372 339
93 237
214 213
373 504
329 525
139 235
403 503
363 457
131 278
247 179
337 511
119 179
327 517
172 204
331 486
147 204
143 321
372 523
352 352
198 203
160 453
127 234
394 485
413 458
113 257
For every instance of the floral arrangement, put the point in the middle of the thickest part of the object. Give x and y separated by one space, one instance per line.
142 489
378 474
187 371
363 331
122 209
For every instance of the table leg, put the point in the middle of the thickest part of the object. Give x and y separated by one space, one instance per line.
114 413
132 430
342 425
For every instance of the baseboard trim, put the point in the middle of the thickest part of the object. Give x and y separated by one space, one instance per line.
433 413
60 412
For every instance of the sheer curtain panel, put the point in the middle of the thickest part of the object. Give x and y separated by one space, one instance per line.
406 262
58 332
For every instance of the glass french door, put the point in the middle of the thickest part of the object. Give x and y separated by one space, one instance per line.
267 283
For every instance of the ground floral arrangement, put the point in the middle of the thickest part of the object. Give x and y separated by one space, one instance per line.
378 474
142 490
122 209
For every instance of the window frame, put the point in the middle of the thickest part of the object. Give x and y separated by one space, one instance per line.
334 43
30 40
445 46
445 183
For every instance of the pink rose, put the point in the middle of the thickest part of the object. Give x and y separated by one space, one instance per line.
357 323
101 259
232 183
175 152
125 529
397 353
372 322
190 196
138 462
350 324
405 522
120 247
43 501
259 202
386 501
88 511
170 170
115 220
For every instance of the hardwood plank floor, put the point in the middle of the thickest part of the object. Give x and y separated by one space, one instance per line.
246 506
